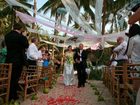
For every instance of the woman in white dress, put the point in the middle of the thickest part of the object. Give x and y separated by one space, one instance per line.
68 67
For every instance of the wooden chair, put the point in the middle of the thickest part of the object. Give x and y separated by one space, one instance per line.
106 73
5 77
45 77
116 90
131 83
29 81
112 81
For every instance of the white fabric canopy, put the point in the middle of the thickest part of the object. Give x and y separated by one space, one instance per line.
89 39
74 13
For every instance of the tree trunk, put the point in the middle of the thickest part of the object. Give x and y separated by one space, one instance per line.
34 14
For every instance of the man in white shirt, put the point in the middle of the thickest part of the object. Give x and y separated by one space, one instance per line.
32 52
120 50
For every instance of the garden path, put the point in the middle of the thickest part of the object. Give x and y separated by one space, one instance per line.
71 95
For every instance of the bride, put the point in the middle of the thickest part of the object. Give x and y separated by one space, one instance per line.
68 67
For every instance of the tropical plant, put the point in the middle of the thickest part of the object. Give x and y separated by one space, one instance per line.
111 7
7 13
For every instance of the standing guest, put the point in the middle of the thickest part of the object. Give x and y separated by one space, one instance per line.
33 54
133 49
80 58
42 50
68 67
120 50
46 59
16 43
3 52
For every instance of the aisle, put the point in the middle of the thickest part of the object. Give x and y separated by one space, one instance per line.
71 95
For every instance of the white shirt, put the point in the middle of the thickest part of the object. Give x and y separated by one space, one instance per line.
32 52
81 55
134 49
120 50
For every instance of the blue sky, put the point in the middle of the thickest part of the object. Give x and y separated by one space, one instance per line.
39 4
50 30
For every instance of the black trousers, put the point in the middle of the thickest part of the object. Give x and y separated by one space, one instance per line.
15 75
81 74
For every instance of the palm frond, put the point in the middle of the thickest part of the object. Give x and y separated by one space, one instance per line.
3 13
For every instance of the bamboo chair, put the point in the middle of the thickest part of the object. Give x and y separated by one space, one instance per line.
132 83
45 77
29 81
116 91
112 81
106 73
5 77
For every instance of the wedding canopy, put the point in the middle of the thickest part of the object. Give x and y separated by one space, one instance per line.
90 38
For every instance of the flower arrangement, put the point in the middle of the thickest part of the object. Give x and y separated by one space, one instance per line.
69 59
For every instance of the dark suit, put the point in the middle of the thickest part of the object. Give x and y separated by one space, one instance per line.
16 45
81 66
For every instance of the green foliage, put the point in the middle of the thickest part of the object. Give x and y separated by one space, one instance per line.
34 97
97 92
12 102
95 74
101 98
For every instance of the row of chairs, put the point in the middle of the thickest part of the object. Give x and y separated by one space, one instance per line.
5 77
122 83
29 80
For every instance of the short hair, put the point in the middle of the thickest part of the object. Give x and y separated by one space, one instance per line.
69 46
81 44
33 39
17 26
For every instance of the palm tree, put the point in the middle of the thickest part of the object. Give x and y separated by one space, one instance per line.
110 6
7 12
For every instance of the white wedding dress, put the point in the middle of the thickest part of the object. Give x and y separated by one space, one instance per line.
68 69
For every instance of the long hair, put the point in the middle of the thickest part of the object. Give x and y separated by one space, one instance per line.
134 30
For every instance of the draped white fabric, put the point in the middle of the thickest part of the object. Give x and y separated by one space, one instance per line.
90 39
113 37
98 16
15 3
74 13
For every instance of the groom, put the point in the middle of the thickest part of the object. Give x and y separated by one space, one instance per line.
80 58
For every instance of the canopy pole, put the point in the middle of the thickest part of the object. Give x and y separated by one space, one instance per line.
104 16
